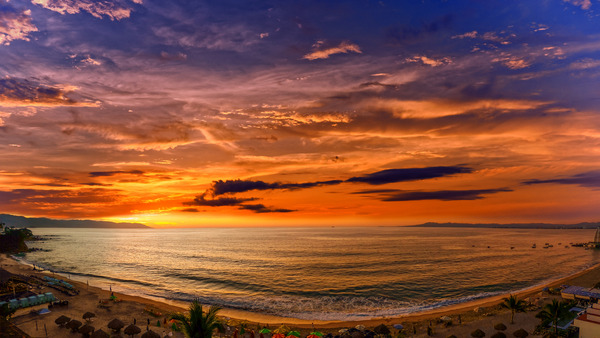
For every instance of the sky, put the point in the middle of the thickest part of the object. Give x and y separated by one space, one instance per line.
274 113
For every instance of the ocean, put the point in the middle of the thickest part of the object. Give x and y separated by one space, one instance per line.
341 273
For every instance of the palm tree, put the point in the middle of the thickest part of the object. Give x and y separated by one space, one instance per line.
199 324
514 305
552 313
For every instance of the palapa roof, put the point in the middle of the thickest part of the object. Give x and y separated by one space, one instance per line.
499 335
86 329
115 324
74 324
478 333
520 333
381 329
88 315
131 330
100 334
62 320
150 334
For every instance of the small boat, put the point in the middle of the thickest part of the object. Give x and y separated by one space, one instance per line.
512 247
533 246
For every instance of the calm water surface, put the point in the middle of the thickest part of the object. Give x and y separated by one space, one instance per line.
323 273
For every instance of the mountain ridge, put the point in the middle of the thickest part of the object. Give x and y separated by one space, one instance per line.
43 222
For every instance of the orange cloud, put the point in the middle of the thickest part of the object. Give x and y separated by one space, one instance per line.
15 26
343 47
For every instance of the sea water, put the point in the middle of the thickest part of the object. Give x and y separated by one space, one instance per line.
340 273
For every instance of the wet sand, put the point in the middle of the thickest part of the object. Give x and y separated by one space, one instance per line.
132 308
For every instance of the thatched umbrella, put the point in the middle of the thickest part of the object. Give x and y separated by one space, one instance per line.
100 334
357 335
86 329
132 330
150 334
382 329
500 327
499 335
520 333
74 325
116 325
88 315
62 320
478 334
452 336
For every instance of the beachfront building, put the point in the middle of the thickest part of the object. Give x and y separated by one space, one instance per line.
580 293
589 322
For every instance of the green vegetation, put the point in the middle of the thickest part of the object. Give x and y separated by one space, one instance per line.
199 324
553 313
514 305
13 239
6 312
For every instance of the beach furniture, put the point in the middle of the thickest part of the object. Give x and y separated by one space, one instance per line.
14 304
24 302
3 303
33 300
49 297
41 298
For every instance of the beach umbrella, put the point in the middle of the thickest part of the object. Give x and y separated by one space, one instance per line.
478 334
445 319
358 334
74 325
88 315
86 329
62 320
278 335
150 334
316 333
294 333
360 327
264 330
115 325
500 327
100 334
132 330
313 336
398 326
342 331
381 329
499 335
520 333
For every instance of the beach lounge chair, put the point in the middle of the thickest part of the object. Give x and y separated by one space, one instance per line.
2 304
14 304
49 297
41 299
24 302
33 300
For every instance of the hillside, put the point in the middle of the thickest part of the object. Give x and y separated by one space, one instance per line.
585 225
41 222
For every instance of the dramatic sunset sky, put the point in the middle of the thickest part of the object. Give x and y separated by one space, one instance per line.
210 113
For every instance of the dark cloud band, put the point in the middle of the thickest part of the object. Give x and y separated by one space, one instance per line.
590 179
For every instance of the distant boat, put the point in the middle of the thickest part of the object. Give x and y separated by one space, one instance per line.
512 247
533 246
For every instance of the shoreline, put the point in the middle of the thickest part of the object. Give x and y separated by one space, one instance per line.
257 317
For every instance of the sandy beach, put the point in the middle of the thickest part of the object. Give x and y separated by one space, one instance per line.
481 313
